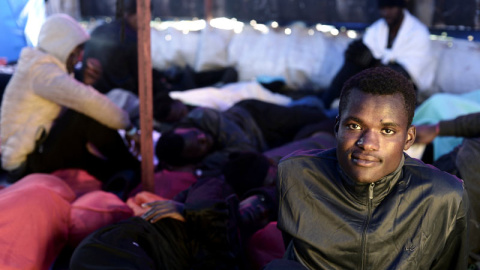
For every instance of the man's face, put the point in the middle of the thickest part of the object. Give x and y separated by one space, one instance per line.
372 135
392 15
197 143
75 56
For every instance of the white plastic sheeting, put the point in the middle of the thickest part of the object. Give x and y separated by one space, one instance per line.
303 58
458 69
172 47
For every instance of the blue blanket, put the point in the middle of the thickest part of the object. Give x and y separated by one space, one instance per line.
444 106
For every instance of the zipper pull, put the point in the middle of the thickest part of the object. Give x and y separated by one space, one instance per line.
370 191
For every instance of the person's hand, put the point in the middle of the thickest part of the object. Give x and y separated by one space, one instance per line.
132 136
163 209
426 133
92 72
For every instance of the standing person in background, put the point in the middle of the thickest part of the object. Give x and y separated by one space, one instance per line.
51 121
397 40
115 45
366 204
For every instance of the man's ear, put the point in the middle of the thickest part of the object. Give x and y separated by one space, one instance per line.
411 134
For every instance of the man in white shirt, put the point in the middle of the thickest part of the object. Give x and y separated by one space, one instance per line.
397 40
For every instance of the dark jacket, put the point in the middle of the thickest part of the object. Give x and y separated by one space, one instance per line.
413 218
460 162
115 46
229 136
463 126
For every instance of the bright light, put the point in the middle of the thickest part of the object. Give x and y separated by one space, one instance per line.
288 31
190 26
227 24
238 30
274 24
470 38
253 22
324 28
311 32
334 32
352 34
261 27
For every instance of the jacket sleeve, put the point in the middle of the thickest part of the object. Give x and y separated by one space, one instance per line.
54 84
462 126
455 252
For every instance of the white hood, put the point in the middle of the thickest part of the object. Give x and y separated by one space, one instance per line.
60 34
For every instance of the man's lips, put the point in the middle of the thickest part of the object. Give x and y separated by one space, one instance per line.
365 160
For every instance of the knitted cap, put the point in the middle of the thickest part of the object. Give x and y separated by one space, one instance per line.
391 3
60 34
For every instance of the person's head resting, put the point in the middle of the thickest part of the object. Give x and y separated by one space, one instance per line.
168 110
63 37
245 171
183 146
392 11
374 127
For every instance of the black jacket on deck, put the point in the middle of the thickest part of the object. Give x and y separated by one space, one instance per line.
413 218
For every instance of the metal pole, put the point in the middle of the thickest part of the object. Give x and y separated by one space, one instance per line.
145 93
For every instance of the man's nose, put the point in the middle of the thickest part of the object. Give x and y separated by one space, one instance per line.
368 141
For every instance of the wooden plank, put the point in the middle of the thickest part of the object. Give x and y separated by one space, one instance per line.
145 93
208 10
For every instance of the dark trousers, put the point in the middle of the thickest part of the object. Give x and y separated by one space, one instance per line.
279 124
66 147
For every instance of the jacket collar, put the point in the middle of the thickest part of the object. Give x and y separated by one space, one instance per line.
381 188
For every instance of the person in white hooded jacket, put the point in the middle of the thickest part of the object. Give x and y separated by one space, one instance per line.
50 121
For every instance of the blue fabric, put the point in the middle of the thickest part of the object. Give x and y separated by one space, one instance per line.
12 26
20 22
445 106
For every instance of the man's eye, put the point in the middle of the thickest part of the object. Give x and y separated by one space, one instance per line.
353 126
388 131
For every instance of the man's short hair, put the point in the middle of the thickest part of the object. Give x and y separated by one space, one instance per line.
169 149
381 81
391 3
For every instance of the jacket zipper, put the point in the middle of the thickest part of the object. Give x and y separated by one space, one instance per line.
369 216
